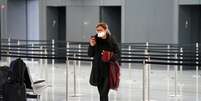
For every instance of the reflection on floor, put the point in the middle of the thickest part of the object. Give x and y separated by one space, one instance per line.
162 83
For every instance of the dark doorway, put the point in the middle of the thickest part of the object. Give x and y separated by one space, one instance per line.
189 28
112 16
189 23
56 29
0 30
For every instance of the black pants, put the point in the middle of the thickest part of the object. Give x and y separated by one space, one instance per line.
103 89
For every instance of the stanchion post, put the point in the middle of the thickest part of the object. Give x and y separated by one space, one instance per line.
67 69
74 69
46 56
18 44
41 53
45 63
168 71
145 79
181 71
67 46
53 67
79 50
181 60
176 69
149 72
129 64
168 57
32 52
145 95
53 51
197 71
9 44
67 65
147 48
79 65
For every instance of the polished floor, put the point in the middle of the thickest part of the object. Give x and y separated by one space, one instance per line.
162 83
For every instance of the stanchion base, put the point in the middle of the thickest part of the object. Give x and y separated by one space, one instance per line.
77 95
175 95
195 76
151 100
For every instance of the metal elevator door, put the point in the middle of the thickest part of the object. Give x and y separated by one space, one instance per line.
189 24
189 29
112 16
56 29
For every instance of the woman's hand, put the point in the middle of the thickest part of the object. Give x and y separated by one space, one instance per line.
106 56
92 41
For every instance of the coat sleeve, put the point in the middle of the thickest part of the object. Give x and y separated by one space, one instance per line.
91 51
116 50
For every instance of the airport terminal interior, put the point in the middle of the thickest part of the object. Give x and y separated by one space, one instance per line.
45 50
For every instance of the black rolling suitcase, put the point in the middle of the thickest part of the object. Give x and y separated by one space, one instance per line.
14 89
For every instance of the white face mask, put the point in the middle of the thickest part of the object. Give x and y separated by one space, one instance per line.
101 34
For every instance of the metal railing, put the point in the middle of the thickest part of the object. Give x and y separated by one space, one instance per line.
177 55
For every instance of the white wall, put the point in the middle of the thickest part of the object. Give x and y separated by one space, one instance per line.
81 21
16 19
3 20
150 20
186 2
56 2
142 20
33 20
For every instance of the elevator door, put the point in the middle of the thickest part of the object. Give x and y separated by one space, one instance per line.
189 29
189 24
56 28
112 16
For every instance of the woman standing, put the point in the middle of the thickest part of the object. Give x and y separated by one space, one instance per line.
102 45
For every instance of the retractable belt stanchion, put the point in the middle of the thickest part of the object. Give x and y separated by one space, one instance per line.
181 58
74 77
67 67
53 51
8 52
129 64
79 67
168 72
41 53
146 79
32 52
181 73
176 78
148 71
53 69
18 44
197 72
79 50
45 56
